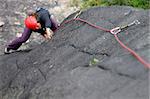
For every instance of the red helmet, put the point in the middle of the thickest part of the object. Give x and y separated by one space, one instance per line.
31 22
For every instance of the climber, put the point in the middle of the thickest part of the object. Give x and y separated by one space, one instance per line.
39 20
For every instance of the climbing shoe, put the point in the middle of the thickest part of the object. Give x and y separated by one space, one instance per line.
8 51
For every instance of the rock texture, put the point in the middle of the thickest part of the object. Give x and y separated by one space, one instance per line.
60 69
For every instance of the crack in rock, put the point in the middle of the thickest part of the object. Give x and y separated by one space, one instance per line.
88 52
113 71
103 68
109 70
44 76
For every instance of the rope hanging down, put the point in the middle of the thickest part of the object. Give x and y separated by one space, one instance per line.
114 31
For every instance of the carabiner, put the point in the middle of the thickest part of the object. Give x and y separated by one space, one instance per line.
115 30
136 22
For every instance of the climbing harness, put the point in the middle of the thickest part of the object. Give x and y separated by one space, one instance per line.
113 31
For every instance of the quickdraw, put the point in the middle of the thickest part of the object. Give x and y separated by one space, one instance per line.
118 29
113 31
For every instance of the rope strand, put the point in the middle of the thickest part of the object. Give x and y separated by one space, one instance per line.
140 59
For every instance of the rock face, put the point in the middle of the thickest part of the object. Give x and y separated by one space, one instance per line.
61 69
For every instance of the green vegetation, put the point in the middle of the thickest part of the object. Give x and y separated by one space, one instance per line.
94 61
145 4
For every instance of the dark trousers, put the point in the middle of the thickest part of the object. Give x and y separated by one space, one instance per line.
17 42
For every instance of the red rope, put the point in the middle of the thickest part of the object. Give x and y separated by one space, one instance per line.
133 53
79 19
146 64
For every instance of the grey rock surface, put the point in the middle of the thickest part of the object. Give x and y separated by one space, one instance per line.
60 69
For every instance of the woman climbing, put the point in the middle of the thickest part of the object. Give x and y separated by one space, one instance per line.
39 21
